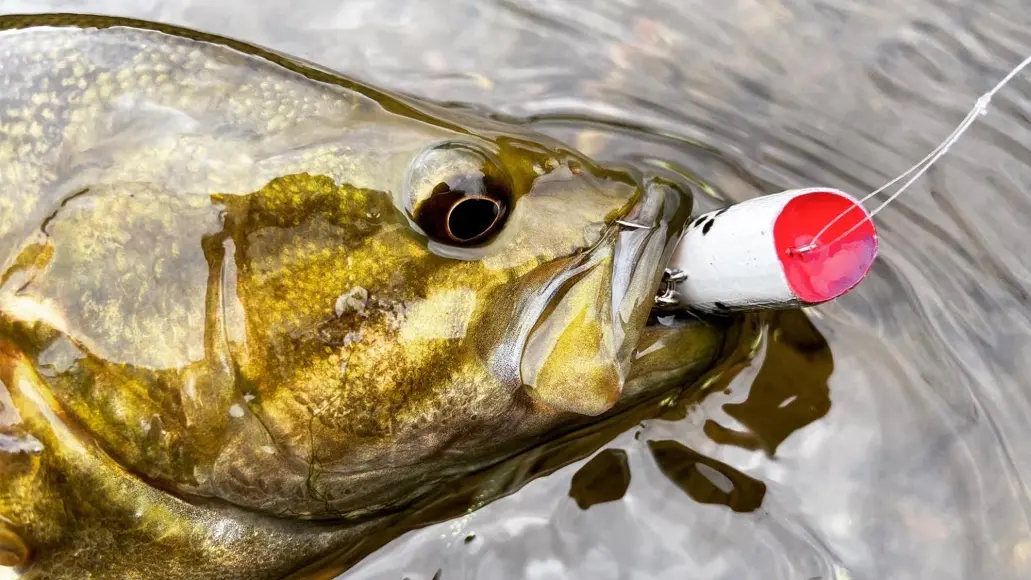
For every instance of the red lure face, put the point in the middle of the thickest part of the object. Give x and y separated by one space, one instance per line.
843 254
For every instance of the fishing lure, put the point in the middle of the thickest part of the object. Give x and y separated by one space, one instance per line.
799 247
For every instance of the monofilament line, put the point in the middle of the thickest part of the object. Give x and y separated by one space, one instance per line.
916 171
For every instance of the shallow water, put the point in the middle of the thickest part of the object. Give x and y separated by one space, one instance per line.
898 448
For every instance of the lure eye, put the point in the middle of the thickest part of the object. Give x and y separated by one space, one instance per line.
459 195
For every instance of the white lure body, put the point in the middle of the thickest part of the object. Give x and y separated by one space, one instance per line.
760 253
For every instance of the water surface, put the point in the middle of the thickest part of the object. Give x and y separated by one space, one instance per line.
883 436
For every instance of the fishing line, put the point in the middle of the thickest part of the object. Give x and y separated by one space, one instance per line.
917 170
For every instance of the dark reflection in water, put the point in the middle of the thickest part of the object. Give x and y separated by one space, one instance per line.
789 392
707 480
604 478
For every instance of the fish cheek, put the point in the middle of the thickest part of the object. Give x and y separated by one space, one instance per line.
422 382
388 365
388 398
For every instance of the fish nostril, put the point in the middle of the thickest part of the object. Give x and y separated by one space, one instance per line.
472 217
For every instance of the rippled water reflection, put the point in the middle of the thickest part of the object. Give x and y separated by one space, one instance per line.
897 449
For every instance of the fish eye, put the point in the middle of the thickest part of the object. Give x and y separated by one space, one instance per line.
459 195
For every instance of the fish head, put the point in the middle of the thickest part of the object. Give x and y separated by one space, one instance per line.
503 292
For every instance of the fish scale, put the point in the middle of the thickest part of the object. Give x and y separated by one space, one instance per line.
68 94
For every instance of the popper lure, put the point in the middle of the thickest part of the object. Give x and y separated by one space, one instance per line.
799 247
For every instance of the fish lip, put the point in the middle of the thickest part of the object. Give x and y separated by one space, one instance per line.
646 237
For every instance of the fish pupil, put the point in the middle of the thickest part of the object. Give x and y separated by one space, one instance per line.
472 217
467 208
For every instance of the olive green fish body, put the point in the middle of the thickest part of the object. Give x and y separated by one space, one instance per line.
249 309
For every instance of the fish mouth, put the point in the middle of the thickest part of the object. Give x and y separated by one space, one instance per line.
646 238
664 345
593 313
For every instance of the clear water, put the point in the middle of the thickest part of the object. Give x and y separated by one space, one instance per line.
912 460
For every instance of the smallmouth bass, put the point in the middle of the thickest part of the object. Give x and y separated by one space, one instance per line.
250 310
